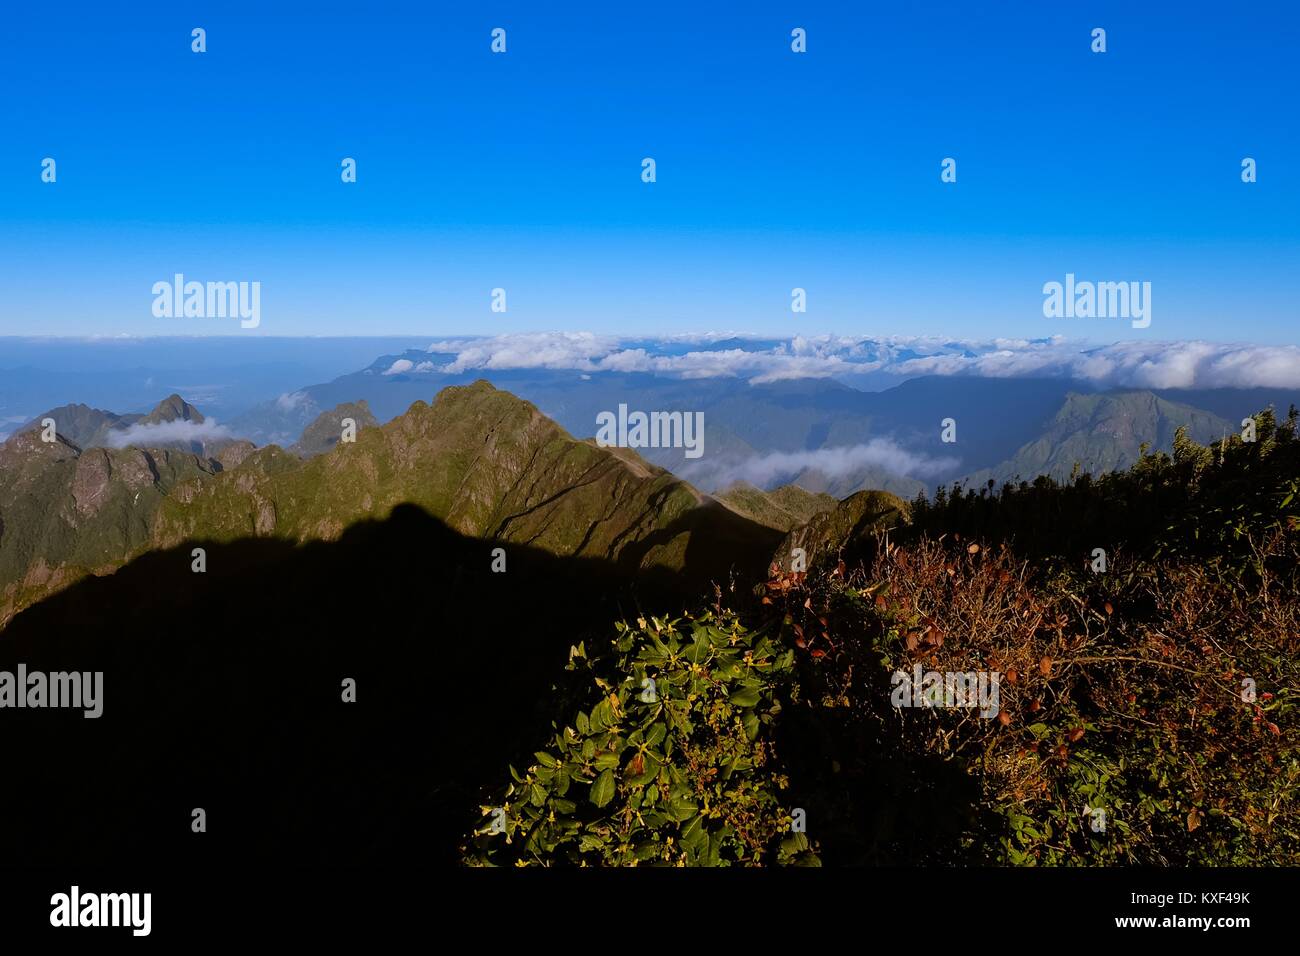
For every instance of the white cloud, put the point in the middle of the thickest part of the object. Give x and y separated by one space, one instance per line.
1131 364
555 350
845 460
164 433
400 366
773 468
1143 364
292 401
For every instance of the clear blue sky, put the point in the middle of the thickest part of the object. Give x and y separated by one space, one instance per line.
775 170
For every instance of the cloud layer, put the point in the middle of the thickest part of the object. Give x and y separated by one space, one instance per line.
166 433
774 468
1138 364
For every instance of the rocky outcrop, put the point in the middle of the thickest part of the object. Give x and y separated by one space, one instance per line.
90 482
233 454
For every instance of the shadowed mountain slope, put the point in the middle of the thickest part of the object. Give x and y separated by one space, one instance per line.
854 519
223 691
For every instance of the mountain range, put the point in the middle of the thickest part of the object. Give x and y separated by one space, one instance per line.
820 433
487 464
833 417
495 466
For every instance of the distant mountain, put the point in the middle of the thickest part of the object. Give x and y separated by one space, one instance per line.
875 478
283 420
223 375
173 423
816 432
1105 432
743 422
326 431
85 502
782 509
173 408
81 425
1233 404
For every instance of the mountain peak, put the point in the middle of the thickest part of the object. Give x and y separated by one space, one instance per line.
78 425
171 409
327 429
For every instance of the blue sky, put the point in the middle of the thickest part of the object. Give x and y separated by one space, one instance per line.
775 170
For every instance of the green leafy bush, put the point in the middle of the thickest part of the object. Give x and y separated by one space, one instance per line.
666 760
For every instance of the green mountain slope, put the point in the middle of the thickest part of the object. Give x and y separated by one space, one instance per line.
1104 432
782 508
488 464
65 512
862 479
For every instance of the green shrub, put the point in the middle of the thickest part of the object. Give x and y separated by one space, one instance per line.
667 759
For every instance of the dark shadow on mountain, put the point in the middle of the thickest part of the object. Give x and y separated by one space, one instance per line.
720 545
223 691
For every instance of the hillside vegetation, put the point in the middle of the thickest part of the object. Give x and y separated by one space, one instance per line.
782 509
1147 710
